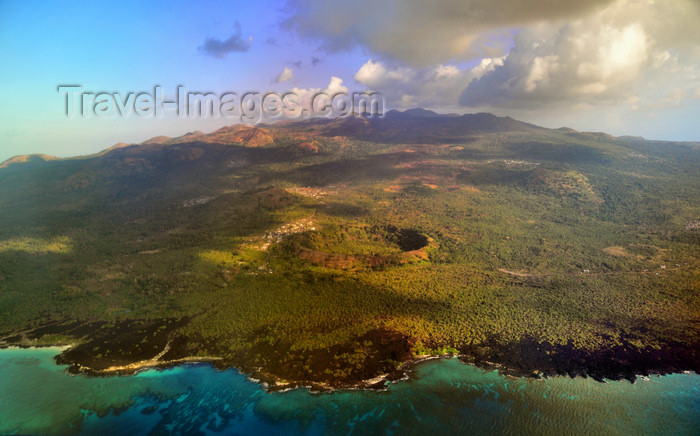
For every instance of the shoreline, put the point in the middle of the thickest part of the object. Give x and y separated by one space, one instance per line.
62 347
133 368
271 383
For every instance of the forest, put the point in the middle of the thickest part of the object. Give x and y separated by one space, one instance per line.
548 251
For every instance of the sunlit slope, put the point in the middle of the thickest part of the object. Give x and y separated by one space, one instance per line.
331 250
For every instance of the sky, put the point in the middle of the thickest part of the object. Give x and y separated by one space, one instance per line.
625 67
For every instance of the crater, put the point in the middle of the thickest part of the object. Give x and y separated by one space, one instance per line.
406 239
362 247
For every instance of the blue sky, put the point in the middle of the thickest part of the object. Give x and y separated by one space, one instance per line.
631 76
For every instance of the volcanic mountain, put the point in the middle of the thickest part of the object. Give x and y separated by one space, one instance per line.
331 251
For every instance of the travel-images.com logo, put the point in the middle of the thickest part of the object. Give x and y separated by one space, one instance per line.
248 107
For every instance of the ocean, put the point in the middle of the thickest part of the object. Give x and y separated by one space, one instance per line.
442 396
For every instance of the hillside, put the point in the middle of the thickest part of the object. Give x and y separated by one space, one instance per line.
27 159
330 251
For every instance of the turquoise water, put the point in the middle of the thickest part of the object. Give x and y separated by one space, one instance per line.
38 397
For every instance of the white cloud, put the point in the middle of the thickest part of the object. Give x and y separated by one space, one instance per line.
436 86
306 95
375 74
446 71
371 73
335 86
285 76
422 33
488 64
604 64
619 52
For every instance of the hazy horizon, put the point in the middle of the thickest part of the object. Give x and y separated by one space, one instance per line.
624 67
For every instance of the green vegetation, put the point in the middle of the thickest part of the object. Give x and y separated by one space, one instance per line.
36 246
568 239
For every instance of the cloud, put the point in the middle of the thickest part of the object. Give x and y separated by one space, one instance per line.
315 61
306 95
285 76
335 86
614 56
374 74
217 48
614 65
436 86
421 33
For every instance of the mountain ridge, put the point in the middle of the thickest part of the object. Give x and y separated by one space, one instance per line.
416 125
328 252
